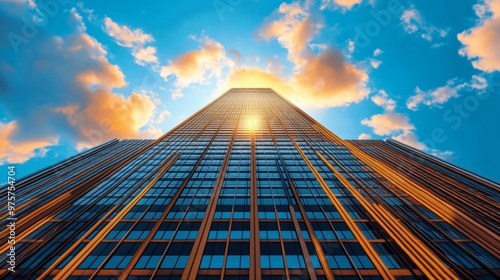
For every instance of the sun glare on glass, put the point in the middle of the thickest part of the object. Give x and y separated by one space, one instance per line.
251 123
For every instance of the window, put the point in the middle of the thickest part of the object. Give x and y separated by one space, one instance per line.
213 255
177 255
270 255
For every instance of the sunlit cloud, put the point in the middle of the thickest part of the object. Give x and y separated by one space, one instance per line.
69 95
344 4
112 114
135 39
382 99
198 66
388 123
481 44
293 27
12 151
364 136
396 126
322 80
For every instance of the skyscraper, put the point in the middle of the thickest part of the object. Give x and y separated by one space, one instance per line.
251 187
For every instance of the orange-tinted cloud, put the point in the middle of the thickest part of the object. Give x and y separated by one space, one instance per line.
481 44
344 4
293 30
364 136
322 80
382 99
251 76
109 115
197 66
388 123
69 95
331 81
21 151
126 36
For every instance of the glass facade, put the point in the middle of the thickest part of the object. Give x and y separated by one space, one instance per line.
251 187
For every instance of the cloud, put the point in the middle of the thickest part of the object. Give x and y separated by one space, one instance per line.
108 113
477 83
413 22
438 96
322 80
198 66
364 136
293 29
344 4
21 151
145 55
135 39
237 55
351 46
375 63
125 36
319 80
319 46
388 123
273 65
377 52
382 99
398 127
434 97
410 138
69 95
481 44
251 76
330 80
161 116
393 124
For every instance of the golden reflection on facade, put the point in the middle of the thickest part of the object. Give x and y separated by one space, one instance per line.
251 187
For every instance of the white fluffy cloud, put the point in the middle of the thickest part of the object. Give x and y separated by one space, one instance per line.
434 97
481 44
135 39
382 99
413 22
438 96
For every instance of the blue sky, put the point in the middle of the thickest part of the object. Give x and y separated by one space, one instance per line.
76 74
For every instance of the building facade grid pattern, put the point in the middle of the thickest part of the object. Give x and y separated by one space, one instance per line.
251 187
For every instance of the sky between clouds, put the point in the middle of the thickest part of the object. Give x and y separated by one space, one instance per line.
77 74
